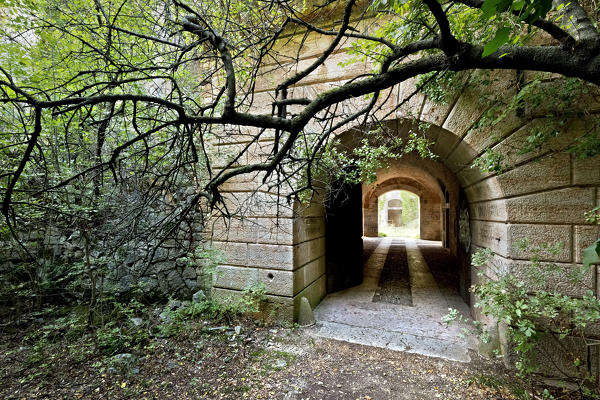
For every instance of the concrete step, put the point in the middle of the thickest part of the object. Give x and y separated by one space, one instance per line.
427 346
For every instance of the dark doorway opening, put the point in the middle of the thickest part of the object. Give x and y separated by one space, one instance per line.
343 236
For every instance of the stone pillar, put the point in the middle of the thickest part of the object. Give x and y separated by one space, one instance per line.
371 223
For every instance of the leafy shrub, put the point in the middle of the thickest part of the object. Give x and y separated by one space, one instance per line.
116 338
531 308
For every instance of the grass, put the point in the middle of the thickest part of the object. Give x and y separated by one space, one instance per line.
410 230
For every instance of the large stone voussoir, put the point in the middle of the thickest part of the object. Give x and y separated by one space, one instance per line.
550 172
552 207
488 189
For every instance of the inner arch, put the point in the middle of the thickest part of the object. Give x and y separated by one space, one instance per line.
398 214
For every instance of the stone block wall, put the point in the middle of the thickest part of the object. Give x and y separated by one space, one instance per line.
540 195
285 255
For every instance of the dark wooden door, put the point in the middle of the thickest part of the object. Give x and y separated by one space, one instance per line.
343 240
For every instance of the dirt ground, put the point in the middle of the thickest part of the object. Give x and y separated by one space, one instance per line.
248 360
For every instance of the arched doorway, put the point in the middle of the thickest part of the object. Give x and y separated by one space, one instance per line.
407 282
398 214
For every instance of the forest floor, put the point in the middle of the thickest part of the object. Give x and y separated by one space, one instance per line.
244 359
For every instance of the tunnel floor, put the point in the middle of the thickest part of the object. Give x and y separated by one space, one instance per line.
406 289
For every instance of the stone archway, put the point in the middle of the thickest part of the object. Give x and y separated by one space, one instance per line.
284 248
430 216
432 180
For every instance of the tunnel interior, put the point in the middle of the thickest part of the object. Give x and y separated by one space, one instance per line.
356 215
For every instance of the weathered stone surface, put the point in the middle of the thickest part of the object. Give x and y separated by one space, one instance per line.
538 235
273 230
251 230
487 189
245 182
330 71
552 207
277 282
308 273
480 138
444 144
235 277
232 230
257 204
470 175
371 221
586 171
494 210
492 235
235 253
462 156
409 102
509 147
434 113
313 209
465 112
308 228
559 277
548 173
306 317
279 308
271 256
308 251
314 293
585 236
558 360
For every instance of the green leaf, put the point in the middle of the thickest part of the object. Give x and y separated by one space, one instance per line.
591 255
501 38
493 7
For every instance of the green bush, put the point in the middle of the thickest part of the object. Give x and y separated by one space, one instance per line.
116 338
531 309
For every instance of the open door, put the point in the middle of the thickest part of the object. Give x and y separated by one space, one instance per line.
343 238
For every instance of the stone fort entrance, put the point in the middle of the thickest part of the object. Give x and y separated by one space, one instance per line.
284 246
289 248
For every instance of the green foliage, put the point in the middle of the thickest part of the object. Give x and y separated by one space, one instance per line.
588 145
441 87
529 305
591 254
115 338
490 161
528 10
360 165
410 206
501 37
417 142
